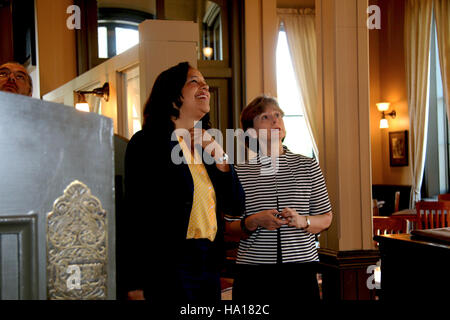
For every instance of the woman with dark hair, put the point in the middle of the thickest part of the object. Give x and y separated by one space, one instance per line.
174 224
286 204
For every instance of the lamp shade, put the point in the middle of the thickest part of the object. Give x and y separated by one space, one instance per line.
383 106
208 51
82 106
384 124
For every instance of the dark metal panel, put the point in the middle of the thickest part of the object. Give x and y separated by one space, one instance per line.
44 147
18 257
9 267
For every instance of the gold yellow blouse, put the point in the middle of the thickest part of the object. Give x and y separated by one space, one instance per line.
202 221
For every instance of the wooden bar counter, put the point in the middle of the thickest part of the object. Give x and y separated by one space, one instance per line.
414 268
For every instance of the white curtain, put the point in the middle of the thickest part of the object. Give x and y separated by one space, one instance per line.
300 28
417 53
442 16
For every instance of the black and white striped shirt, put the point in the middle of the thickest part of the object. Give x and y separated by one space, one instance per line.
297 183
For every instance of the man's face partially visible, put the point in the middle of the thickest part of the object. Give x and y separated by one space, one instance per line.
14 78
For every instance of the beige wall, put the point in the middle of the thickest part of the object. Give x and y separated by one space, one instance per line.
388 83
56 45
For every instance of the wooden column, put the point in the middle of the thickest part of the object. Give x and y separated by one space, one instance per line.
344 142
261 34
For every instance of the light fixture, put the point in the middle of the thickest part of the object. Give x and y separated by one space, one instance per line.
82 104
383 107
384 123
207 52
102 92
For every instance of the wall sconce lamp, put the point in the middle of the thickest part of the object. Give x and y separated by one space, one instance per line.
102 92
383 107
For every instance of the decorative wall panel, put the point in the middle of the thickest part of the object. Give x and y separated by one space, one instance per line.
77 246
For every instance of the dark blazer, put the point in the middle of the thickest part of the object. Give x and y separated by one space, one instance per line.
158 197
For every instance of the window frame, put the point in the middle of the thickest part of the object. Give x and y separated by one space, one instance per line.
113 18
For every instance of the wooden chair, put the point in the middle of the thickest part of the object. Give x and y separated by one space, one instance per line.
408 216
388 225
433 214
375 211
397 201
444 197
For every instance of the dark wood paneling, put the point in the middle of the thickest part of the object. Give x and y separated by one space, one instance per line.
24 31
87 36
349 287
6 32
160 10
237 62
344 274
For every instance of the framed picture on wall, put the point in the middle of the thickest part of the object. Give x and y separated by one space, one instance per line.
398 148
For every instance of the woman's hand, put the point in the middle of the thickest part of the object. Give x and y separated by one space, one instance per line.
136 295
266 219
210 146
203 138
294 219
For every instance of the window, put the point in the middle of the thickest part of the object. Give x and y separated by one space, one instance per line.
118 30
298 139
212 32
134 121
102 42
129 113
436 173
125 39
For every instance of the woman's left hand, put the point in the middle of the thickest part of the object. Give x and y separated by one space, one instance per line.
294 219
209 145
207 142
